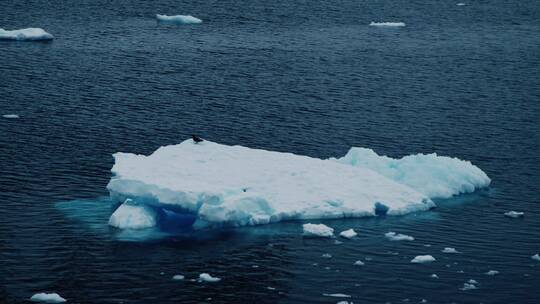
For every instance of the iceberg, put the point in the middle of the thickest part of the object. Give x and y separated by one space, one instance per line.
387 24
209 185
205 277
422 259
12 116
27 34
178 277
348 234
47 298
317 230
492 273
449 250
178 19
336 295
536 257
392 236
359 263
514 214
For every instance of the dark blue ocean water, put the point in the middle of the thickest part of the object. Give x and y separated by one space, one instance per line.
309 77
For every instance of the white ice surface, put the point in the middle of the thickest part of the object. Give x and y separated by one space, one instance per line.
317 230
348 234
237 186
387 24
392 236
492 272
468 286
422 259
178 277
514 214
205 277
133 216
178 19
449 250
336 295
435 276
10 116
536 257
359 263
47 298
30 34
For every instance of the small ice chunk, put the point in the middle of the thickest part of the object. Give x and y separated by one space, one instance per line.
27 34
423 301
131 215
421 259
449 250
492 272
178 277
47 298
387 24
468 286
536 257
318 230
327 256
336 295
10 116
392 236
471 281
178 19
205 277
514 214
359 263
435 276
270 288
348 234
460 4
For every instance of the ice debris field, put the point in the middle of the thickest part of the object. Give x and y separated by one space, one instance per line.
28 34
208 185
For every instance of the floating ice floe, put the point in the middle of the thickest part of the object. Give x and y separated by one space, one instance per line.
460 4
359 263
317 230
492 272
348 234
327 256
205 277
536 257
449 250
514 214
178 277
213 185
392 236
47 298
336 295
133 216
422 259
27 34
468 286
471 281
178 19
435 276
11 116
387 24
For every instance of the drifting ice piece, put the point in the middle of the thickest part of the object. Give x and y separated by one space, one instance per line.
30 34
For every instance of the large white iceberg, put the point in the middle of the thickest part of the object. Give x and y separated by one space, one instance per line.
178 19
47 298
33 34
215 185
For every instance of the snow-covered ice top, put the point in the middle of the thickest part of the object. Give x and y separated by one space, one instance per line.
421 259
236 186
33 34
392 236
387 24
318 230
134 216
179 19
348 234
47 298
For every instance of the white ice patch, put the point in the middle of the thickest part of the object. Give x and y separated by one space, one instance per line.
47 298
133 216
28 34
317 230
336 295
178 277
387 24
492 273
435 276
359 263
392 236
536 257
222 185
205 277
514 214
178 19
460 4
432 175
10 116
422 259
449 250
468 286
348 234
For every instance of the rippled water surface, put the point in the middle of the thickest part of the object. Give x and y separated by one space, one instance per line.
309 77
